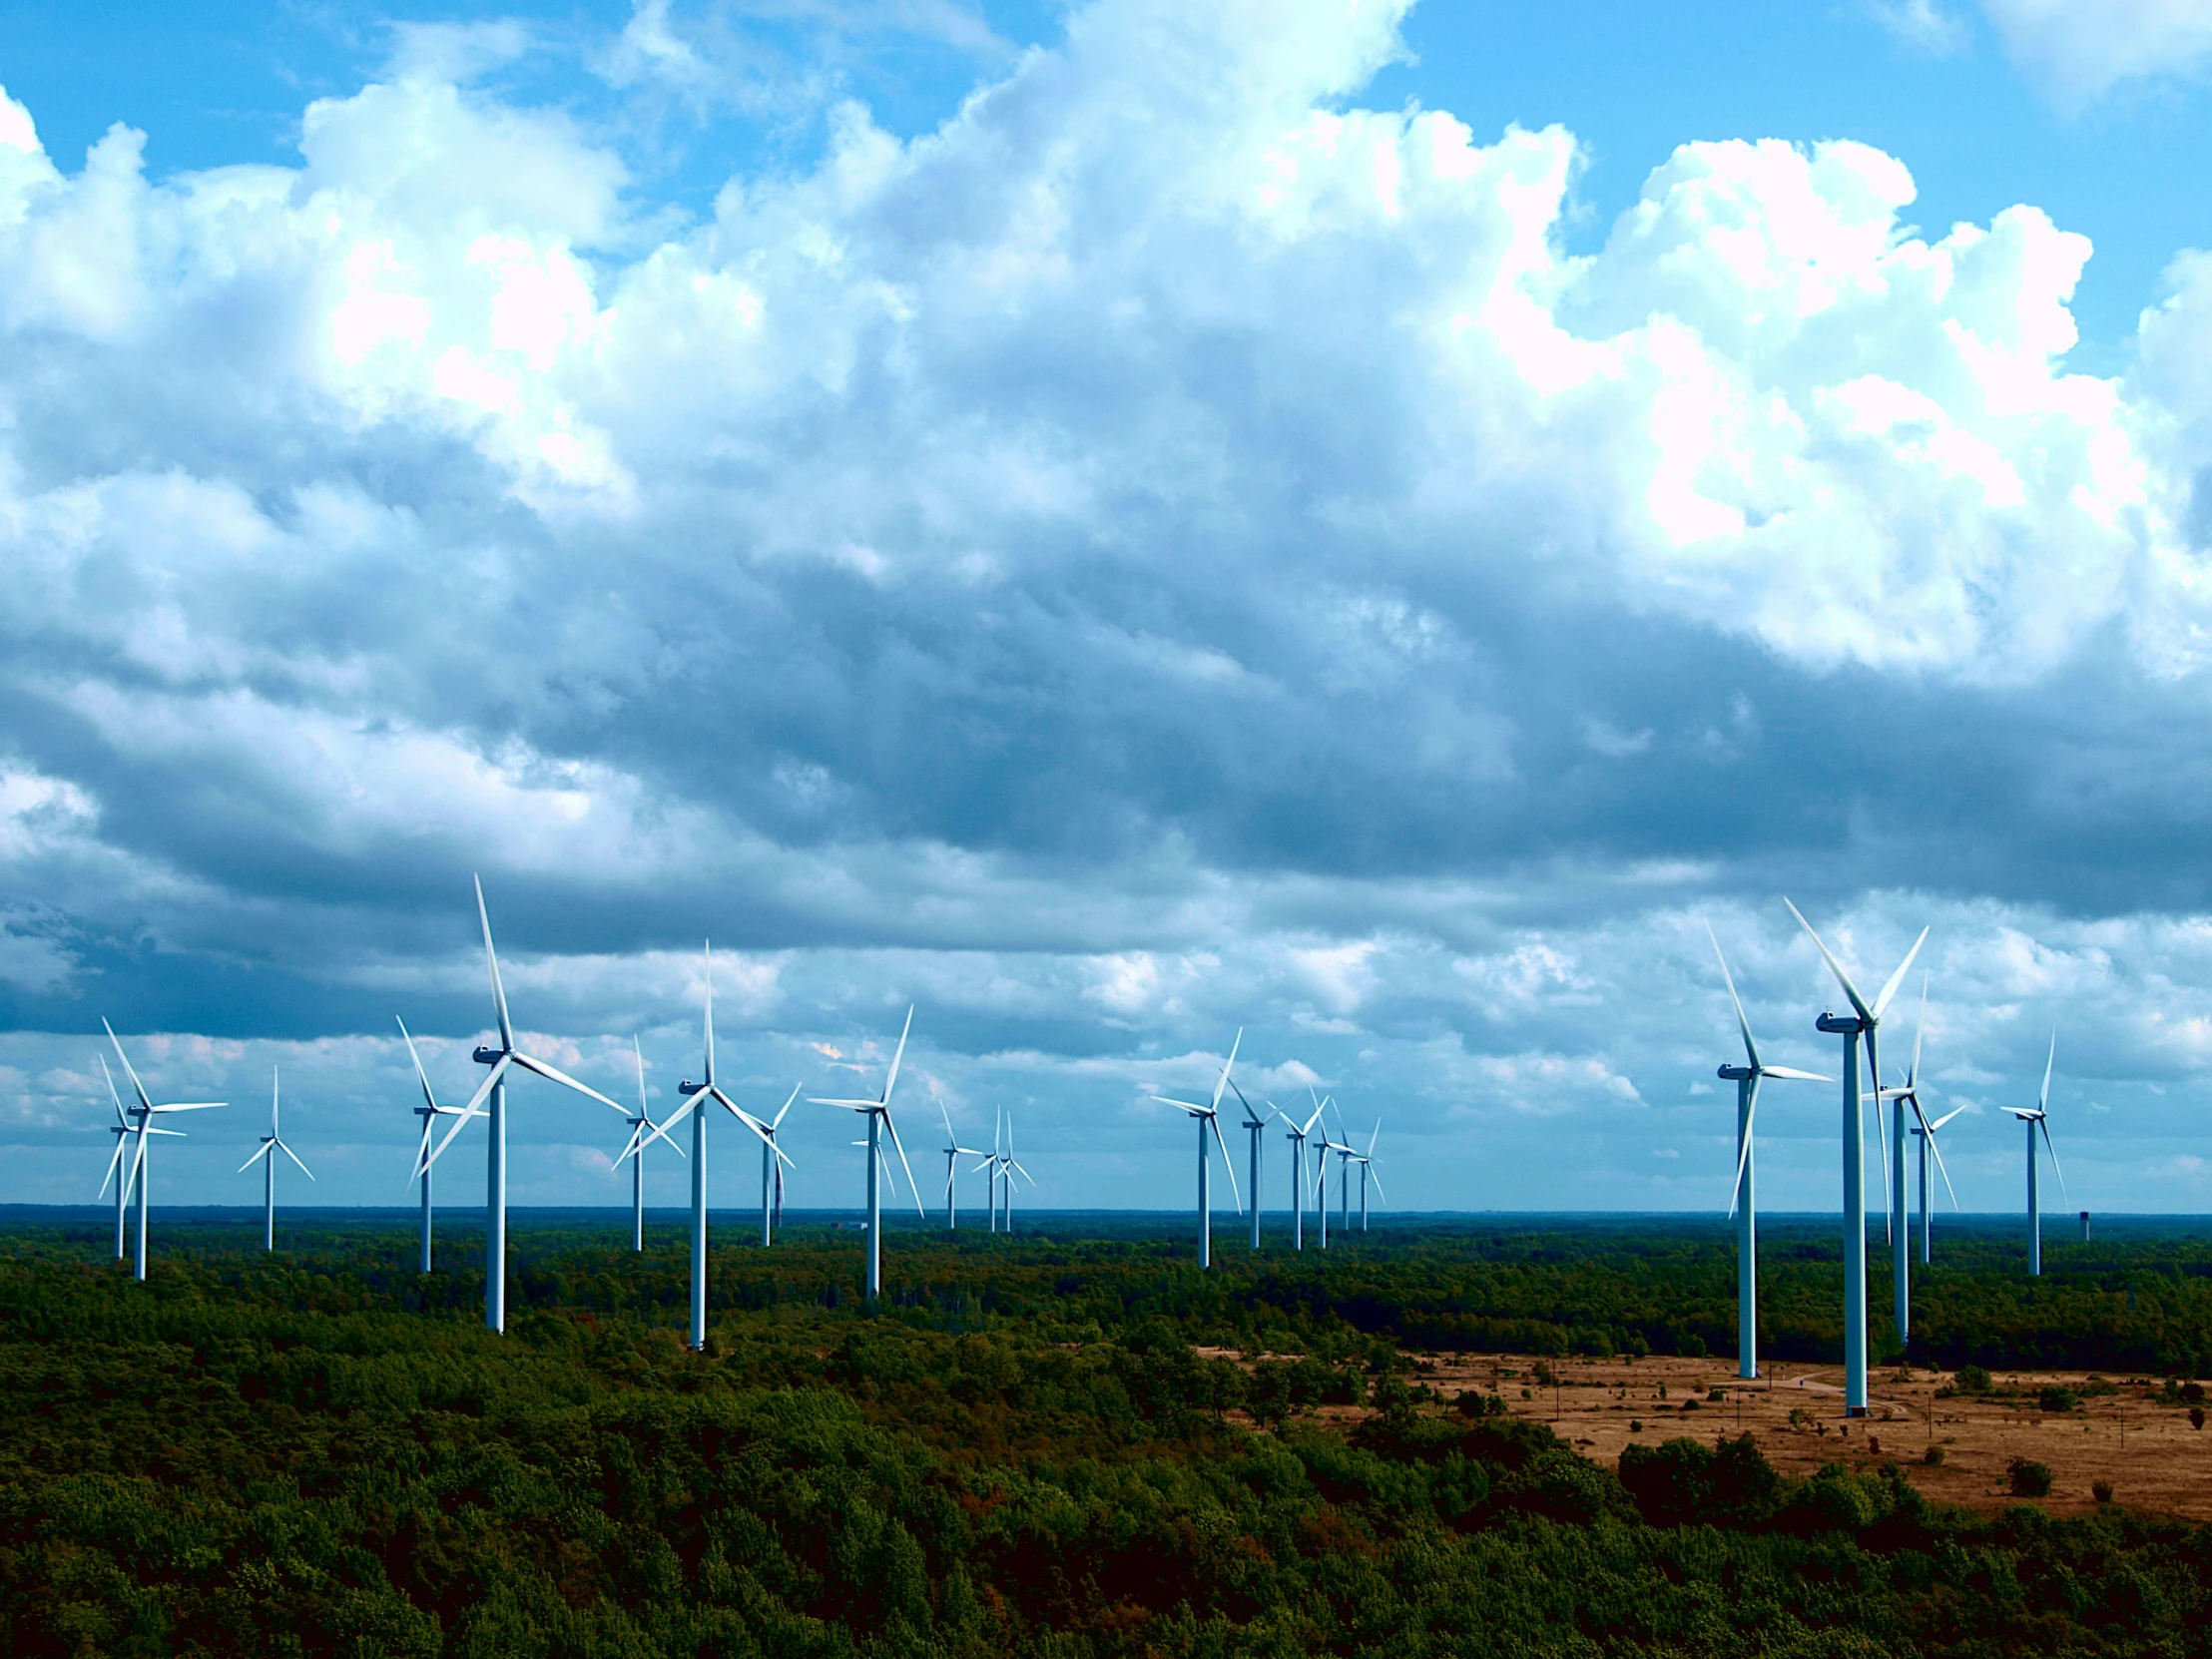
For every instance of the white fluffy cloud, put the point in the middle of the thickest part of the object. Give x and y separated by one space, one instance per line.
1169 548
2083 48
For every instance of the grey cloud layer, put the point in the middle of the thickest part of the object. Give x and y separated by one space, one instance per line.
1169 548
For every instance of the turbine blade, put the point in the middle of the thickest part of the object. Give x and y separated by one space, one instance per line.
1948 1116
275 1123
474 1106
114 1161
194 1106
421 1077
2045 1125
776 1122
1228 1164
914 1191
295 1157
1025 1175
1936 1147
1858 1004
1743 1153
492 958
661 1130
145 1100
120 1116
639 1052
1225 1065
1920 1030
1898 978
891 1080
1190 1106
708 948
759 1128
1750 1049
1378 1191
1794 1075
263 1151
554 1074
2042 1100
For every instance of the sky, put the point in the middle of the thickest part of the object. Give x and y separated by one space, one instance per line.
1113 525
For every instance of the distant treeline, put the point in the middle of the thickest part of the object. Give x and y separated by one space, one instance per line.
1024 1453
2136 1305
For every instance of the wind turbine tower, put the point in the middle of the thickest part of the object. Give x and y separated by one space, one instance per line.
954 1153
1209 1118
121 1130
1746 1077
272 1144
501 1061
1862 1022
430 1112
878 1113
696 1097
1254 1123
1295 1135
143 1114
2039 1120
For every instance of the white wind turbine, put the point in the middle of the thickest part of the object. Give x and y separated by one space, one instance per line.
1010 1166
696 1099
954 1153
1366 1173
1209 1118
121 1130
640 1127
1924 1133
1863 1021
1254 1123
430 1112
494 1089
2040 1119
878 1113
1742 1203
773 1160
1344 1151
272 1144
1295 1135
144 1112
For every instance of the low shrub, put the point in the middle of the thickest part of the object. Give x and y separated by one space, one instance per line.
1972 1379
2027 1478
1933 1455
2055 1399
2101 1490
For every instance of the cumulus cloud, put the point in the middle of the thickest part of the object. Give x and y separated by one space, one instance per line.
1170 548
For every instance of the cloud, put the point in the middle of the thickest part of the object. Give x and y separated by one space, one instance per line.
1168 549
1924 25
2082 49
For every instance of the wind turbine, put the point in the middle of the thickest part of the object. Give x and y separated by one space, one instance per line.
1009 1167
1746 1077
1366 1174
773 1161
954 1153
2040 1119
878 1119
1209 1117
696 1098
1862 1021
1254 1123
1320 1170
272 1144
1922 1131
121 1130
494 1088
430 1112
1295 1135
144 1112
640 1127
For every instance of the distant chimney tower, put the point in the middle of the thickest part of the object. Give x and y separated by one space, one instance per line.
2084 1227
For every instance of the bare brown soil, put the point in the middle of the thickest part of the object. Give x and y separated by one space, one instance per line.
2147 1449
2149 1452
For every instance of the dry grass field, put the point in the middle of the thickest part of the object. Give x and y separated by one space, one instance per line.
2154 1459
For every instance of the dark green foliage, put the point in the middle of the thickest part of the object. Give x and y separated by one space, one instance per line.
2053 1399
1022 1452
2027 1478
1972 1379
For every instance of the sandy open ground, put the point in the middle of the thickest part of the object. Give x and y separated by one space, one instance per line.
2149 1452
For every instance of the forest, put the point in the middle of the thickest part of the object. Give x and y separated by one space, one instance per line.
1064 1445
